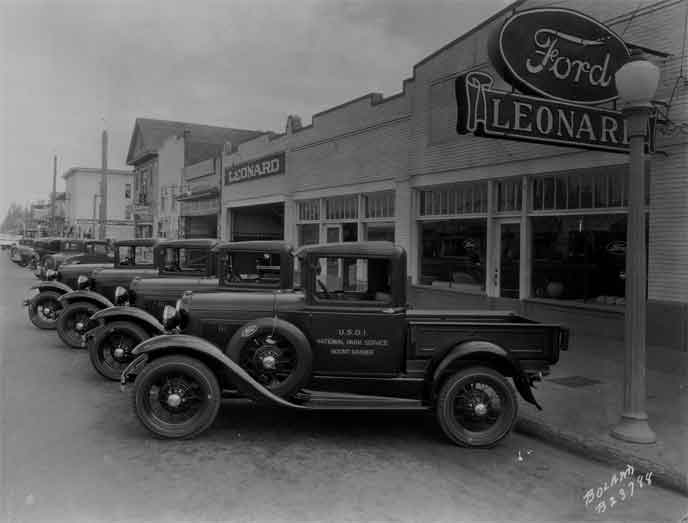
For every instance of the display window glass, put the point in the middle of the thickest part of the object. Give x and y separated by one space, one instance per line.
580 258
453 253
309 234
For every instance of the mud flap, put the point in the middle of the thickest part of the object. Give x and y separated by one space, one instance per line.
523 387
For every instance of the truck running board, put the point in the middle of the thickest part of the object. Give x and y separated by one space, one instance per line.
317 400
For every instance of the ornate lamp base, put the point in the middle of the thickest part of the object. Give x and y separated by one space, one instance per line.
634 428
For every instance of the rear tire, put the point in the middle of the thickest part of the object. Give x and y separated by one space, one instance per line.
37 306
476 407
103 348
77 312
176 397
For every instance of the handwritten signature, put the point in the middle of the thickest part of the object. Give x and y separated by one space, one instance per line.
621 487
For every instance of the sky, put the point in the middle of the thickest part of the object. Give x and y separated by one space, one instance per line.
69 68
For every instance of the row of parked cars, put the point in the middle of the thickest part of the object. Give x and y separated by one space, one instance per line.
183 324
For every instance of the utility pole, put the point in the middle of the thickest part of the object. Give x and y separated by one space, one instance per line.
52 198
103 188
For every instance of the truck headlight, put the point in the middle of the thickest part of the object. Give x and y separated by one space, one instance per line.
170 317
50 274
121 296
182 312
82 281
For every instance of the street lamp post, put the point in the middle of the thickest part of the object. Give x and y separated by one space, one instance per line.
636 83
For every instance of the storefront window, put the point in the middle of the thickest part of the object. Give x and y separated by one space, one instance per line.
509 195
379 231
309 210
453 253
341 208
379 205
580 258
465 198
590 190
309 234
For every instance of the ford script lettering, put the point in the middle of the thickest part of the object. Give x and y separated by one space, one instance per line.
561 54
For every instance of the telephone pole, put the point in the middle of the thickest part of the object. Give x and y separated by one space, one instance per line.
103 188
52 198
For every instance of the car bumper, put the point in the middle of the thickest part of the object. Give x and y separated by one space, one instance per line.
129 374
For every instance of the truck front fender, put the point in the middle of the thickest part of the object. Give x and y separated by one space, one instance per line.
85 295
133 314
487 353
210 354
55 286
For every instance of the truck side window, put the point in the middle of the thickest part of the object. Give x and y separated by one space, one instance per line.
353 279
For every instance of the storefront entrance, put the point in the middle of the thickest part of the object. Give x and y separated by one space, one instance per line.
258 222
507 273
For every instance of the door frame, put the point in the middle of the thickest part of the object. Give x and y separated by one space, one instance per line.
496 275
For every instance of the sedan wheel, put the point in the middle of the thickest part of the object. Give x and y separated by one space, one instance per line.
110 349
176 397
477 407
44 310
71 323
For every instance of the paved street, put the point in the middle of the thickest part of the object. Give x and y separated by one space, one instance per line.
73 451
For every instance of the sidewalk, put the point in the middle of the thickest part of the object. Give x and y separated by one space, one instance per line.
579 411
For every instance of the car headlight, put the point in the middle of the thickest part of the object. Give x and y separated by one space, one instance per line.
170 318
121 296
82 281
50 274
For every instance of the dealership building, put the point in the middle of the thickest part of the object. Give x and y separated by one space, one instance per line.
489 223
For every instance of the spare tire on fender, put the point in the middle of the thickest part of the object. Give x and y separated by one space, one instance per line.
275 353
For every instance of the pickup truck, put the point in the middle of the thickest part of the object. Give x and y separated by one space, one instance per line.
220 266
348 341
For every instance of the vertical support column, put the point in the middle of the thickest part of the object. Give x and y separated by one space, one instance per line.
526 258
53 196
103 188
290 234
227 223
361 231
405 226
491 254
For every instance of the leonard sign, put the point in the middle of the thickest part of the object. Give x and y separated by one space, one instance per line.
564 62
558 53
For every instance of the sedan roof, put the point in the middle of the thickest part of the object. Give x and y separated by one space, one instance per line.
280 246
352 249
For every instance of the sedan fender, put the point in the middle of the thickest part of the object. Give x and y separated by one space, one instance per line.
133 314
485 352
55 286
205 351
88 296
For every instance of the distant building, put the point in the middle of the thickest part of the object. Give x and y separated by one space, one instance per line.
159 151
82 203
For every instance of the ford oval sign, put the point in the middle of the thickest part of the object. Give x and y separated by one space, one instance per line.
559 53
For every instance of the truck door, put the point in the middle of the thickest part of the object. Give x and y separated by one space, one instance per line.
354 326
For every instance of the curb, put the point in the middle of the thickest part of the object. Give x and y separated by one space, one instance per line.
601 451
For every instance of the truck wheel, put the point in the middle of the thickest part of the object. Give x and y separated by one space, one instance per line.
110 349
44 310
275 353
476 407
176 397
72 320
